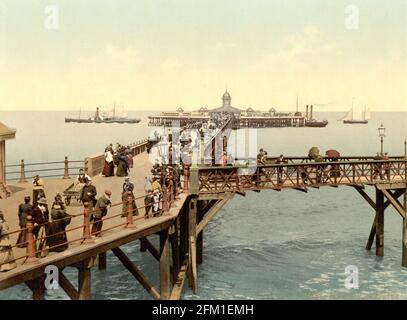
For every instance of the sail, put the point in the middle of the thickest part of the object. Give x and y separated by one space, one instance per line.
366 114
349 115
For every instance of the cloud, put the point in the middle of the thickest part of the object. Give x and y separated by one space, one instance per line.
299 48
114 54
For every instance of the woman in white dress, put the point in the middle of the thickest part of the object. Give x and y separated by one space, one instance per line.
6 253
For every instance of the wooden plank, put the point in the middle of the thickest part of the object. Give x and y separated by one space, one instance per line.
379 223
210 214
136 272
395 203
165 280
397 193
366 197
67 286
179 283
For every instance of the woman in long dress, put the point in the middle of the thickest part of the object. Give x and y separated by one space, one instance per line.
7 261
57 240
108 169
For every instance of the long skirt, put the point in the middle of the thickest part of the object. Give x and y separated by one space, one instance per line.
108 169
22 239
6 258
121 170
97 226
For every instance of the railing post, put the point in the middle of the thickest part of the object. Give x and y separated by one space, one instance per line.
22 173
66 169
30 251
129 224
87 237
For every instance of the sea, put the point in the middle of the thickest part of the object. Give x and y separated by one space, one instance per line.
267 245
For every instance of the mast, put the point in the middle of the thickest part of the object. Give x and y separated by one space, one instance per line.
351 115
297 104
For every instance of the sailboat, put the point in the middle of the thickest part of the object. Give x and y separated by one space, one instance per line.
357 117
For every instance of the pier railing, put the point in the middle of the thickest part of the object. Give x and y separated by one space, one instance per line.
52 169
128 218
93 165
217 179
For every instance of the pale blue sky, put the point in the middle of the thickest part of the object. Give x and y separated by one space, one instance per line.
162 54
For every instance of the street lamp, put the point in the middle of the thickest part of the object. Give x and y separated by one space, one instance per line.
382 134
405 148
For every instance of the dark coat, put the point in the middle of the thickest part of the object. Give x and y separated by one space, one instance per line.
56 230
23 210
89 194
101 207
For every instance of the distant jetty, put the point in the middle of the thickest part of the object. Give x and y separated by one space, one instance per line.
106 118
248 118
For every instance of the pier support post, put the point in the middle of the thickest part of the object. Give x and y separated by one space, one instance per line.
192 245
404 250
165 281
37 286
102 261
84 283
199 248
379 223
175 250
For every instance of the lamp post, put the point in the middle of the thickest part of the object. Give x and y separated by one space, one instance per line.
405 148
382 134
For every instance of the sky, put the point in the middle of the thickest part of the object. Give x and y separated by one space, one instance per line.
162 54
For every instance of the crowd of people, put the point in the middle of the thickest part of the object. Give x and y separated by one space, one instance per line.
49 225
120 158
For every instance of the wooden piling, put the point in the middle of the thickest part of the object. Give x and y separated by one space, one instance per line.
379 223
37 287
84 284
102 261
192 244
165 281
175 250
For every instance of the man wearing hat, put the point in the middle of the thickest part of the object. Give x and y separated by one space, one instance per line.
100 211
89 194
24 209
40 216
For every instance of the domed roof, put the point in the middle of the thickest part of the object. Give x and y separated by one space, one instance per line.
226 95
180 109
272 110
203 109
249 110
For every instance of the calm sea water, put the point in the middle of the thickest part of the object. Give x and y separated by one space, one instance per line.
268 245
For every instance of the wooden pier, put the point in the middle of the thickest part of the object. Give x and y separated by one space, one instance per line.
206 189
